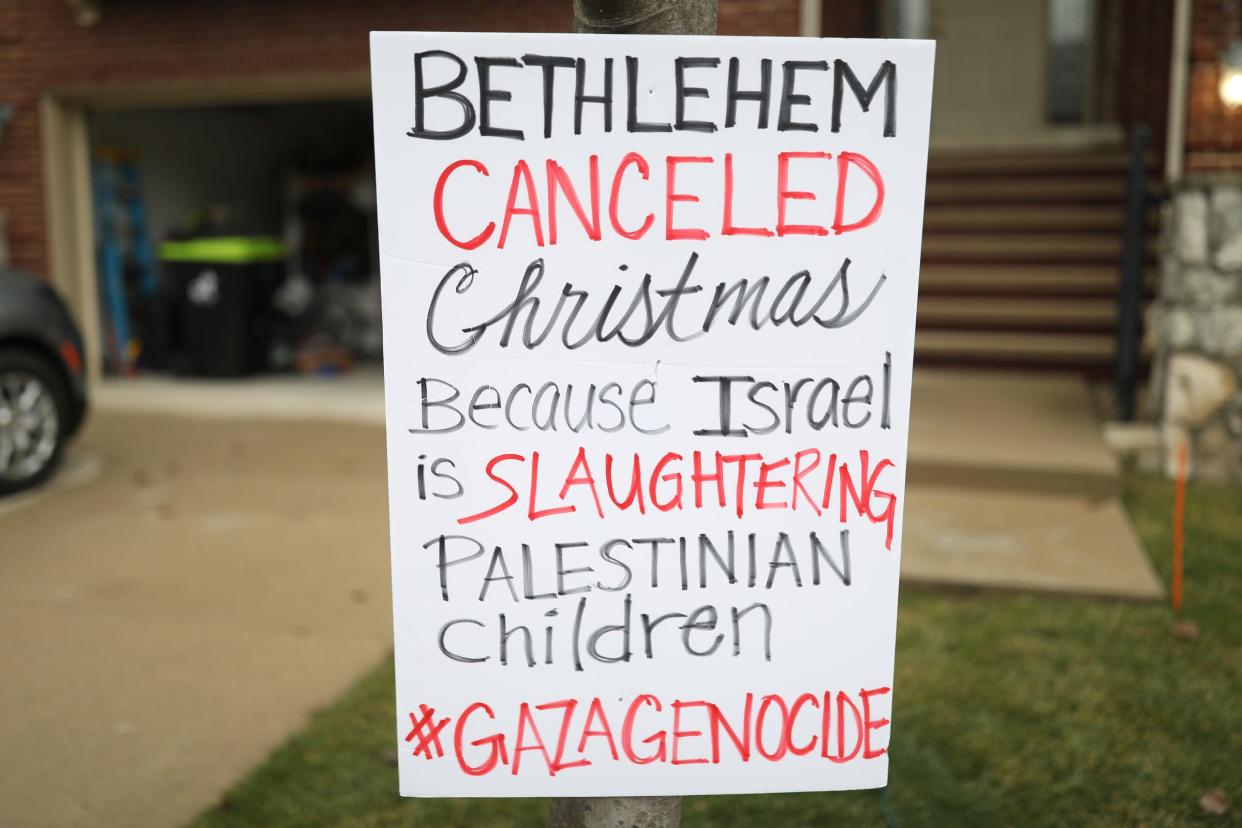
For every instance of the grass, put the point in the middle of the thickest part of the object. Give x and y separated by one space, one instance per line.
1013 709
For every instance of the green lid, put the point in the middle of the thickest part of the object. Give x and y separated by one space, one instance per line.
224 250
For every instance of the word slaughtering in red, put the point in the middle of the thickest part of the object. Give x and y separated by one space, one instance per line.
808 480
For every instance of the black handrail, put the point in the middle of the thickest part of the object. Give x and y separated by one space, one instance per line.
1133 261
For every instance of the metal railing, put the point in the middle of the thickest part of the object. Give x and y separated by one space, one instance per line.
1133 264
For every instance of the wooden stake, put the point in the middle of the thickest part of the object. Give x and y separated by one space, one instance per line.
1179 521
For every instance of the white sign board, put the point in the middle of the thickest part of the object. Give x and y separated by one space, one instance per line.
648 327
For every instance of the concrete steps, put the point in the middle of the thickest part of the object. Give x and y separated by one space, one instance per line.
1023 280
1033 162
1049 190
1026 313
994 430
1034 218
1011 486
1015 348
1021 260
1025 248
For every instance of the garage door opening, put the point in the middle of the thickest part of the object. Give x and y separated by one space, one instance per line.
235 241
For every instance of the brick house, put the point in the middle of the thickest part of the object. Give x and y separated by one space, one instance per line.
1033 103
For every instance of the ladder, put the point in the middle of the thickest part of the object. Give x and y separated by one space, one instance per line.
124 254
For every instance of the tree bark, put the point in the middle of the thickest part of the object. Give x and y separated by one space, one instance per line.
684 17
615 812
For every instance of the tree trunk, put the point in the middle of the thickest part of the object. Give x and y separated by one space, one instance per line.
684 17
615 812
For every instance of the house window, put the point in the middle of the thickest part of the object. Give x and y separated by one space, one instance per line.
1070 28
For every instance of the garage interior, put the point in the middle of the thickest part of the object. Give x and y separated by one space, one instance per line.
235 240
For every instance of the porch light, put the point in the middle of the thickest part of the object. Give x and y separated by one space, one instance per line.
1231 75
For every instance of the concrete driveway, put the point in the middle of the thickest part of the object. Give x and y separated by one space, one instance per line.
167 623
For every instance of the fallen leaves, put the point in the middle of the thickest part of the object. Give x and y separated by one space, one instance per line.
1215 802
1186 630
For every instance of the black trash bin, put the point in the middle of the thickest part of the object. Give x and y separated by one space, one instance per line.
223 287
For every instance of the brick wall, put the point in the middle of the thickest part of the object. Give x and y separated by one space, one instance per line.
42 48
1213 131
1146 44
21 200
849 18
756 17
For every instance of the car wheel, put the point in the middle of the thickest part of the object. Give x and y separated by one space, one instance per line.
33 413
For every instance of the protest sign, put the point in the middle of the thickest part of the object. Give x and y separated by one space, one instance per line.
649 312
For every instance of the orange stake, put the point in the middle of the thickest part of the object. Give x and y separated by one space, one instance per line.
1179 520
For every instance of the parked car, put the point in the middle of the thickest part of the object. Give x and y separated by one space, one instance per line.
42 387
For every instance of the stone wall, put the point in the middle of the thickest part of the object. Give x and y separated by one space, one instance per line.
1197 329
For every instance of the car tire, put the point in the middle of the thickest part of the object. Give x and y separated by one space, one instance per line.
34 419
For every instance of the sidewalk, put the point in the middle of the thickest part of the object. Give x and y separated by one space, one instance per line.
1010 483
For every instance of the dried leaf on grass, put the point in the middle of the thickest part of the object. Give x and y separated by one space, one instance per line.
1215 801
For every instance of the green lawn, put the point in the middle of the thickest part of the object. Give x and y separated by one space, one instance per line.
1012 710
